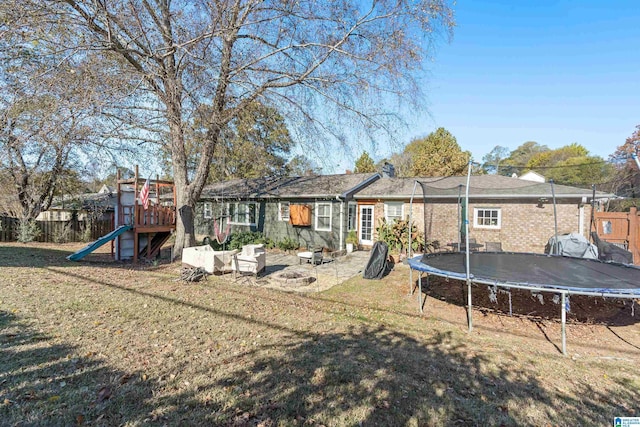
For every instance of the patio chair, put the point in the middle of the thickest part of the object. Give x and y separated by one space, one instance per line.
493 246
314 257
252 260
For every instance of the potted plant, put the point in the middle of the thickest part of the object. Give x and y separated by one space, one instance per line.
352 241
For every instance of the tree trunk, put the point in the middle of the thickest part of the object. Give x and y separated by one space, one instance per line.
185 236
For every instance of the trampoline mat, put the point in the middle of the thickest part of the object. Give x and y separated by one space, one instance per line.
550 271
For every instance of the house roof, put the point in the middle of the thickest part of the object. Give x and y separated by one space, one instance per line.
314 186
84 201
484 186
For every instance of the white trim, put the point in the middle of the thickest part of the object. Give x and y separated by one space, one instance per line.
280 216
581 220
355 216
207 210
487 226
316 215
233 221
395 204
362 240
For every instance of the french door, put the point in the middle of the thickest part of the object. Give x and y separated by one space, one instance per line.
366 225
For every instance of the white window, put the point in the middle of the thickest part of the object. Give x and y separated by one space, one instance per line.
393 211
242 213
352 217
207 210
283 211
486 217
323 216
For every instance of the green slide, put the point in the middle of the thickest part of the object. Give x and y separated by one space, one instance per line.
101 241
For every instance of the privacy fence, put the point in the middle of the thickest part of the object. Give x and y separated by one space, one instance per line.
73 230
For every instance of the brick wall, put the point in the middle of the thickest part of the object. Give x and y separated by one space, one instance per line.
525 225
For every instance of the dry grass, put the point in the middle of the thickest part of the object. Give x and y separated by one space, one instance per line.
112 344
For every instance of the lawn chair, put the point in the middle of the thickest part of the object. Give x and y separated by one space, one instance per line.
252 260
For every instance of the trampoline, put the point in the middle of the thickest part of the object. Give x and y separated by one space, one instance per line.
536 272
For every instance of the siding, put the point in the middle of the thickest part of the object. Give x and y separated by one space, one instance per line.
268 223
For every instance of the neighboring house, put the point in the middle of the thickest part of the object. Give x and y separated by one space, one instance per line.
515 212
533 176
312 210
64 208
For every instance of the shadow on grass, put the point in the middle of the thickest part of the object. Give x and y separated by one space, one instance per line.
362 376
44 383
31 255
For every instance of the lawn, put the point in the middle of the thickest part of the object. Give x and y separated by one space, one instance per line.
107 343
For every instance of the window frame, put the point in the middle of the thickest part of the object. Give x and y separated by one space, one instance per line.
352 220
235 212
476 218
317 216
386 211
280 206
207 210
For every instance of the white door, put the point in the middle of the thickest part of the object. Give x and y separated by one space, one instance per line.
366 225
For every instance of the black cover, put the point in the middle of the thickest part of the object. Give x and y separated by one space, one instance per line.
611 253
377 264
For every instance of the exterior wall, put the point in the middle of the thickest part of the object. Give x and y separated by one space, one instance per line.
268 223
525 226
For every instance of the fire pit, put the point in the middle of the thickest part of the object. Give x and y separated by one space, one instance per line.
293 278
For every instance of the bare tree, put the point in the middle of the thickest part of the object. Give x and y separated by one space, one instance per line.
55 104
311 59
626 181
43 118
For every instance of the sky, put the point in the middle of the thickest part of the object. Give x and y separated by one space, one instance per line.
554 72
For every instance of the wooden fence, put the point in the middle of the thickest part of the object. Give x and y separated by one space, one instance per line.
622 229
58 231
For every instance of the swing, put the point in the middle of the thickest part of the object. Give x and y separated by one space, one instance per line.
221 236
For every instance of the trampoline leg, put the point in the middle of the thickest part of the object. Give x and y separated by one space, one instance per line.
420 291
564 322
510 307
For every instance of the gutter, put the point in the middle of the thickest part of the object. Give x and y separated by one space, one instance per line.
485 196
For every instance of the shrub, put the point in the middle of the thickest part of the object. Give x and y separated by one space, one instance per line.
61 234
352 237
238 240
396 236
288 244
28 231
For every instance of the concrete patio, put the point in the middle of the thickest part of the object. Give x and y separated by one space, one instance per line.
285 272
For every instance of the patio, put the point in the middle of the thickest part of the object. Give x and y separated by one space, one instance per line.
285 272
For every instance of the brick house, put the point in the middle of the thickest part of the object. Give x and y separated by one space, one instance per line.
518 213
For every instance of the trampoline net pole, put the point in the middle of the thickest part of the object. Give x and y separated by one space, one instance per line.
466 233
555 220
413 193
